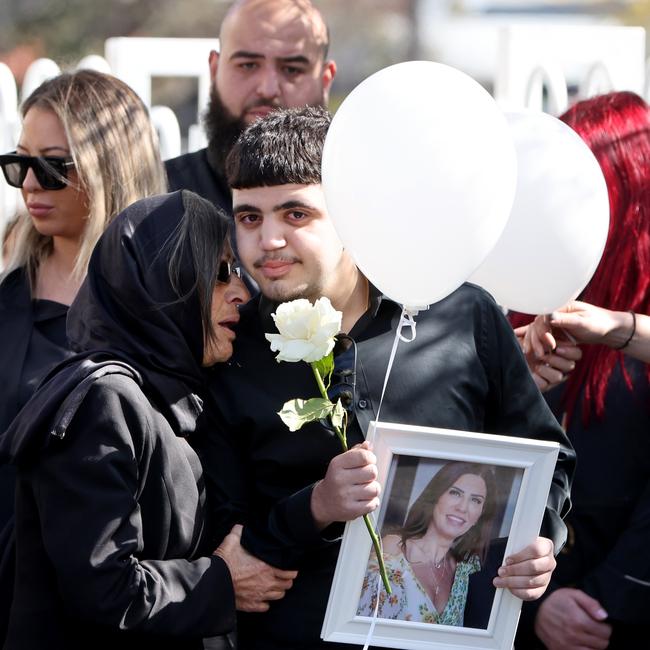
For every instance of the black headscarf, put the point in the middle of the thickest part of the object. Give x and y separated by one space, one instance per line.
129 318
127 303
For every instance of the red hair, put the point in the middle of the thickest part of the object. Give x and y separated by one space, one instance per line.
616 127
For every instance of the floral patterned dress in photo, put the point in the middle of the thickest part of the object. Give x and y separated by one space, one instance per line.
409 600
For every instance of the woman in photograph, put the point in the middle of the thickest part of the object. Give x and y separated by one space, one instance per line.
110 499
443 541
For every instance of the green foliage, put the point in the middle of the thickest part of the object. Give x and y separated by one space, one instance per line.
325 368
297 412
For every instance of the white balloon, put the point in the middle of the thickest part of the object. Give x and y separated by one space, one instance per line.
419 173
558 227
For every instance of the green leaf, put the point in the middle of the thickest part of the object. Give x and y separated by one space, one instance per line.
338 415
297 412
325 366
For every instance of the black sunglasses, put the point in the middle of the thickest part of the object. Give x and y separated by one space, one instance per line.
226 271
51 171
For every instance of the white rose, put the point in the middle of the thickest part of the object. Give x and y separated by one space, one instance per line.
306 331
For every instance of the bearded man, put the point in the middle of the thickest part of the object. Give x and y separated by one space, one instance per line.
273 54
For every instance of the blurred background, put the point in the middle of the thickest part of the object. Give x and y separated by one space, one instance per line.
366 34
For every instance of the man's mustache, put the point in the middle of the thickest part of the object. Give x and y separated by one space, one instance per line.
261 261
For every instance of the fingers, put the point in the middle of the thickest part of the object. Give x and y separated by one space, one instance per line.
358 456
236 530
552 376
520 331
266 585
560 363
563 623
569 352
541 547
255 607
350 487
281 574
538 340
590 605
527 573
275 595
540 382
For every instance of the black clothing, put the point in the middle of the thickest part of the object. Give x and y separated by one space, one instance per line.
32 341
193 171
463 371
110 507
606 554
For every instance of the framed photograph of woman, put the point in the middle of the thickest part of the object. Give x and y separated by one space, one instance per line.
454 503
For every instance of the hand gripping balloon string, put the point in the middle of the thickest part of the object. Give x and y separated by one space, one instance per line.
569 337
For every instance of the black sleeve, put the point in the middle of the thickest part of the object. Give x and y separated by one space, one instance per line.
87 498
516 408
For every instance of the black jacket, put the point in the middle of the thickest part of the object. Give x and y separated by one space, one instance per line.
463 371
109 524
609 525
32 341
110 508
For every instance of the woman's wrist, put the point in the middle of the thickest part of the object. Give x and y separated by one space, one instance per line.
623 330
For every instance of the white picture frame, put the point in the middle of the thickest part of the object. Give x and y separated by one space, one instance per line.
529 462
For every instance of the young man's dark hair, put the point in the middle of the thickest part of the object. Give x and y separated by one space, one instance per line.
284 148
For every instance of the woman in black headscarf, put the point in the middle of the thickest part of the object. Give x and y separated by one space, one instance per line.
110 499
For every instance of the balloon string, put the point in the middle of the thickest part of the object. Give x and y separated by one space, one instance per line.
379 585
406 320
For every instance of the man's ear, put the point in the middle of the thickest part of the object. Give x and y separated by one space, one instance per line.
213 62
329 72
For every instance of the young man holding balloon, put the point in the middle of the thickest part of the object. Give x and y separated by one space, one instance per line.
463 370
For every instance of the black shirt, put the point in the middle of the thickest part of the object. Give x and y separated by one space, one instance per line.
463 371
32 341
192 171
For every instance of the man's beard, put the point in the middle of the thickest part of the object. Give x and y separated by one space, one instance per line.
222 130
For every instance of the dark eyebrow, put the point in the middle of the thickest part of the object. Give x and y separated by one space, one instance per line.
245 207
290 205
298 58
455 487
245 54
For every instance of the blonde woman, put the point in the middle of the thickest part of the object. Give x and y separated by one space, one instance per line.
87 150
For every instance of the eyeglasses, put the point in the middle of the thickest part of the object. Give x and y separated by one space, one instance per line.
226 271
51 171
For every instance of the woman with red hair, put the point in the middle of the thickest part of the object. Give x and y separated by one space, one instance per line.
600 592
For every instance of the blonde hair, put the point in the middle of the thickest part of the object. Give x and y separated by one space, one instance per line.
115 151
